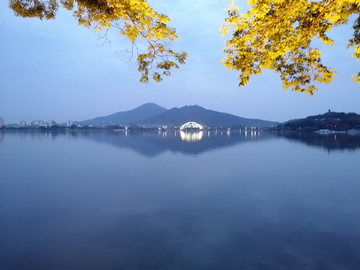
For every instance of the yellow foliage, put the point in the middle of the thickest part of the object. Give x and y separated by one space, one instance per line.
277 35
273 34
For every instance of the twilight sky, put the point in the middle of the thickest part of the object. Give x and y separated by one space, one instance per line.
58 70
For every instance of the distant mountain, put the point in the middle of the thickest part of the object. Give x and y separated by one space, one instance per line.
338 121
122 118
179 116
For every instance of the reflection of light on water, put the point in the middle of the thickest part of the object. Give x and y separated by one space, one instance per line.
1 137
191 136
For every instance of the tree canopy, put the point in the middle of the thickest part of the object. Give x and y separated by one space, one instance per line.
278 35
135 19
273 34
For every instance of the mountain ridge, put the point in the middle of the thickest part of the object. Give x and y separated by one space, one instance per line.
126 117
206 117
337 121
159 116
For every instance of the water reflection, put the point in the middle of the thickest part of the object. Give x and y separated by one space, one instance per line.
330 142
67 205
152 144
42 135
191 136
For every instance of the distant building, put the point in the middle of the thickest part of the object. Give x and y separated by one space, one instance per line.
22 123
2 123
42 124
71 123
35 123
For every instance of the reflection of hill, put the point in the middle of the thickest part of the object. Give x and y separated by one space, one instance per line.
2 134
328 142
154 143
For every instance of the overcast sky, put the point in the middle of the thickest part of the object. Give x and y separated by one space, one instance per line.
57 70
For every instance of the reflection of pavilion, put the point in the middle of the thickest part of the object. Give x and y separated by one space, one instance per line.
191 136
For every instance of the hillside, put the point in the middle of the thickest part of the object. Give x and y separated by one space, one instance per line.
331 120
179 116
127 117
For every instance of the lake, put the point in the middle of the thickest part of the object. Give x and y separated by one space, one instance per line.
170 200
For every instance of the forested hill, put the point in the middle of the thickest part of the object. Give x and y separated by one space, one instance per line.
210 118
330 120
126 117
151 114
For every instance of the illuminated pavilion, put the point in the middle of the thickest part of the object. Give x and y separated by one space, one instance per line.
191 126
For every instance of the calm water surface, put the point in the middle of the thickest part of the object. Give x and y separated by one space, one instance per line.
159 200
